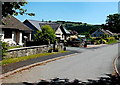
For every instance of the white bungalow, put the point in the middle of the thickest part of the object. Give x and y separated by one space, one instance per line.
13 31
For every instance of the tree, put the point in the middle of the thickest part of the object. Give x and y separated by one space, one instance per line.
46 35
14 8
113 23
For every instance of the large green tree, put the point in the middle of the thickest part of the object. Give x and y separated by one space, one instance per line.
46 35
14 8
113 23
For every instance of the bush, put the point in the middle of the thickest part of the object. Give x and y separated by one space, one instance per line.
4 48
110 80
46 35
110 38
104 41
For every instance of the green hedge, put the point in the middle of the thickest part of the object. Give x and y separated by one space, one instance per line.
4 48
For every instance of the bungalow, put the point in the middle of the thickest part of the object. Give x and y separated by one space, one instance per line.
100 32
60 31
13 31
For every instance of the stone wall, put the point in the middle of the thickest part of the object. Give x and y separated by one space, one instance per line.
25 51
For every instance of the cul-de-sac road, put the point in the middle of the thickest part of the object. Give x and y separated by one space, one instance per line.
90 64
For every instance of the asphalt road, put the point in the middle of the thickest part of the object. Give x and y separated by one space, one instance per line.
90 64
14 66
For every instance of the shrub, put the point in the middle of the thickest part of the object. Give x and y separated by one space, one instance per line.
4 48
102 41
47 35
110 38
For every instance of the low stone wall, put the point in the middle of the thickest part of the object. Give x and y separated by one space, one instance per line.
25 51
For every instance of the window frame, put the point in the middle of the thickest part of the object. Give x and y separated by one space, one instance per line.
7 33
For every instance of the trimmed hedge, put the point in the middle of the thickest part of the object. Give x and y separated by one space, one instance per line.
4 48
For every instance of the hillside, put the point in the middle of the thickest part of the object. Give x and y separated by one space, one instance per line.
81 28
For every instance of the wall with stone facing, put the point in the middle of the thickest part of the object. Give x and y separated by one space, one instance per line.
25 51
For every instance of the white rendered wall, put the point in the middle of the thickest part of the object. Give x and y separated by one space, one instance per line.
30 36
1 33
58 31
11 41
20 39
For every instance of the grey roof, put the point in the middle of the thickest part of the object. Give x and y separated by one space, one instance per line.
66 31
53 25
36 23
109 32
13 23
104 31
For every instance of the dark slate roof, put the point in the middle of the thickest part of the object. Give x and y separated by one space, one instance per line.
39 24
104 31
35 23
13 23
53 25
64 30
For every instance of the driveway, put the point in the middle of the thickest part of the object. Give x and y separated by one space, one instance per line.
90 64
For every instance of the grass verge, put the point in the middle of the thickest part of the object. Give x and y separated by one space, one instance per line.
12 47
18 59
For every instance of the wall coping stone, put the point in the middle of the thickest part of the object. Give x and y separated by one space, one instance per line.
23 48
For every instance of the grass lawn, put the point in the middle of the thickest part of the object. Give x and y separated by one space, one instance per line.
12 47
18 59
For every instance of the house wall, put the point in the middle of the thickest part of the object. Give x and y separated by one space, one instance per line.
20 39
1 33
13 40
59 33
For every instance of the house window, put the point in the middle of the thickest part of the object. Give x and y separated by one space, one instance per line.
57 34
7 33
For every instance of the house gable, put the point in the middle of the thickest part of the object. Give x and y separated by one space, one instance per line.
101 32
33 24
13 31
60 31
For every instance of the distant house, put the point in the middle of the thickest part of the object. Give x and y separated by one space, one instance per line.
100 32
13 31
60 31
